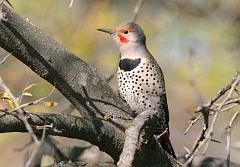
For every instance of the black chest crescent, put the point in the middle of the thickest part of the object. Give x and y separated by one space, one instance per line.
129 64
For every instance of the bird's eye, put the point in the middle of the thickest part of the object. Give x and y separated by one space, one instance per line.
125 32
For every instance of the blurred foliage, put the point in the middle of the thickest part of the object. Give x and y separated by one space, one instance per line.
207 32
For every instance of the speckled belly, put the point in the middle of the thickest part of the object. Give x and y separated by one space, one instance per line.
126 83
140 88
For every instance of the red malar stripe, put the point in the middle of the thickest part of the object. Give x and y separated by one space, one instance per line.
122 39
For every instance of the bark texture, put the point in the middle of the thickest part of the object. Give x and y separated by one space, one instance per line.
81 85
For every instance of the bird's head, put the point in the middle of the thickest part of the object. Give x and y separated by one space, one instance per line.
126 34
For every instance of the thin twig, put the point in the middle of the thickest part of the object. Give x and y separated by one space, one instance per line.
29 104
231 87
199 117
20 111
231 91
237 100
5 58
197 142
186 149
21 96
71 3
209 105
222 91
36 150
33 102
229 130
25 145
193 121
137 9
227 108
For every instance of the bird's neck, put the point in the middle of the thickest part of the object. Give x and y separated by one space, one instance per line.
134 51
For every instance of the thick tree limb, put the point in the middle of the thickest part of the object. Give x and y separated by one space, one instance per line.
80 84
138 136
199 161
74 78
132 137
93 130
96 132
85 164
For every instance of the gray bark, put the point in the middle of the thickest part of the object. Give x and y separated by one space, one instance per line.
81 85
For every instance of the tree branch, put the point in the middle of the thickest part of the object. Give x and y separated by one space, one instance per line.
19 110
96 132
207 132
48 59
92 130
229 131
132 136
139 136
80 84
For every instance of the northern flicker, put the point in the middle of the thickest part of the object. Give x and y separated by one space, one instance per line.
140 78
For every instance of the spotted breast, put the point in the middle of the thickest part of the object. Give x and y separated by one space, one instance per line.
140 79
140 83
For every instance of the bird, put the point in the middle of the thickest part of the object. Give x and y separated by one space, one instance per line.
140 79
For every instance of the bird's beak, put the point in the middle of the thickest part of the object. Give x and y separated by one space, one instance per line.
106 30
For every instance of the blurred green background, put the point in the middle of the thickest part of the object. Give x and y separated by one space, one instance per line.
190 39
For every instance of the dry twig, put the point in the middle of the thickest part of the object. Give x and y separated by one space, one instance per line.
137 9
194 120
71 3
212 107
206 134
5 58
229 130
29 104
21 113
30 161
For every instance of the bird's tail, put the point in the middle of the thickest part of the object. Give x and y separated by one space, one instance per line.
166 144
